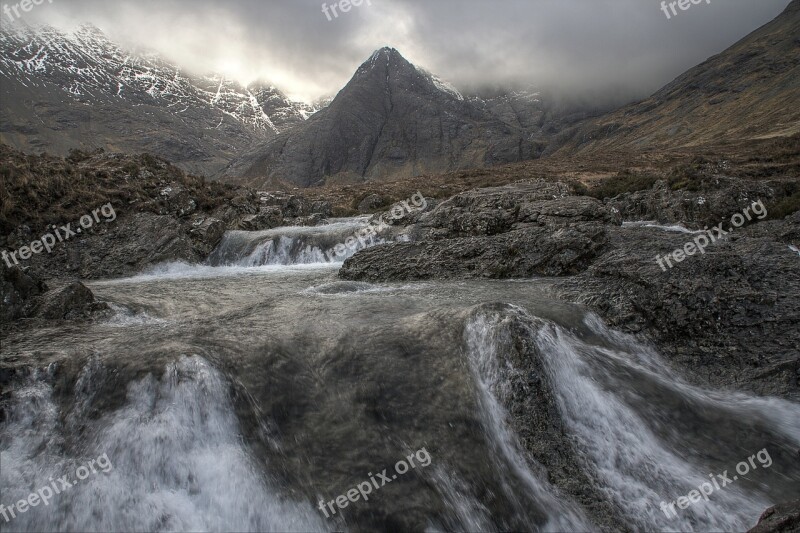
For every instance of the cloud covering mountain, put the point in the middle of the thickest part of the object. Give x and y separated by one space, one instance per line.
610 50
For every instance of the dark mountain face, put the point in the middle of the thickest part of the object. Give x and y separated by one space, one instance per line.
749 91
392 120
61 91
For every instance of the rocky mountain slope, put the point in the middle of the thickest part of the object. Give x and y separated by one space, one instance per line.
392 119
61 91
749 91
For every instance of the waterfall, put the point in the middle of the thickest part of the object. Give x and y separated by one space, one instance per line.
178 462
634 424
533 498
295 245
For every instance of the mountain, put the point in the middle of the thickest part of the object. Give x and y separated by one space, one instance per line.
80 90
392 119
749 91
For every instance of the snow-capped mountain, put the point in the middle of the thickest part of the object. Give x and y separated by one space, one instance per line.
65 90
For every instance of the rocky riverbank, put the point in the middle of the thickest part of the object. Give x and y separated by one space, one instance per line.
727 318
160 214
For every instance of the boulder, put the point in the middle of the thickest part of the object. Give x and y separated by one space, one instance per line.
516 254
371 203
73 301
496 210
207 232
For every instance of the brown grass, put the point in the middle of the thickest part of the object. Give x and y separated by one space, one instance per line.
40 190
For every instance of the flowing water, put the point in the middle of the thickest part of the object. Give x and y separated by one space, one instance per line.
237 395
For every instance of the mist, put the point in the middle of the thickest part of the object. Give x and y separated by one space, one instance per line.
599 50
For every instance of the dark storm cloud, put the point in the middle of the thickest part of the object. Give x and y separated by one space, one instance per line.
599 48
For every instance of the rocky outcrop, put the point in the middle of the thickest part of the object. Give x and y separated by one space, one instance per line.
515 254
730 315
24 295
153 213
521 230
266 218
715 202
783 518
533 409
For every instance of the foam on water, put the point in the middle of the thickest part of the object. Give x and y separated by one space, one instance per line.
674 228
182 270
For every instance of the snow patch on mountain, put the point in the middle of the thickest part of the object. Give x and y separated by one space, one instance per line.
88 66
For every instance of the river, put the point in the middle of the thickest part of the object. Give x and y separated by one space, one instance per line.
239 394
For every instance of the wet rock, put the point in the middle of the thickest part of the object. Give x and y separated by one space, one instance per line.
74 301
207 232
266 218
716 202
521 253
18 289
731 316
532 405
783 518
314 219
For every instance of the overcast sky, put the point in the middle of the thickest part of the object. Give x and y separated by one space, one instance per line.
609 48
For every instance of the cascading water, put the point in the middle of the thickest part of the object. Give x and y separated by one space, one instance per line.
627 413
236 398
528 492
178 460
292 246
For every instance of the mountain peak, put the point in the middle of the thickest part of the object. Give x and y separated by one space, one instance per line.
386 51
385 56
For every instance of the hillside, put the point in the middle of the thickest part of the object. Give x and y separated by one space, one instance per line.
749 91
61 91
